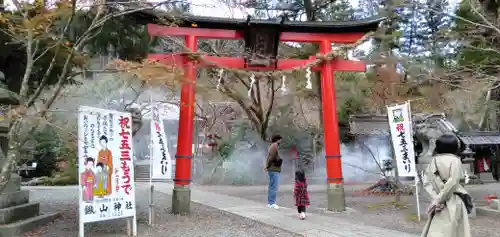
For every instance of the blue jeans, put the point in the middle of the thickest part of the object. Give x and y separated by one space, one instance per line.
272 190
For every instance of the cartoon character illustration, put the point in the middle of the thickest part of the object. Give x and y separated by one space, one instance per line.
87 180
100 181
106 158
398 115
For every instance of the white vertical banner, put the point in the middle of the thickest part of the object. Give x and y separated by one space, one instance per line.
161 162
105 166
400 126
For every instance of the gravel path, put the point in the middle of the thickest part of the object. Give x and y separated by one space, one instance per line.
375 211
203 222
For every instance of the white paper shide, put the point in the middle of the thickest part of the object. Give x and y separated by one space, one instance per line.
161 161
400 126
106 169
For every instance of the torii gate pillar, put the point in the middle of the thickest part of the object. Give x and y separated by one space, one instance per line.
335 180
261 39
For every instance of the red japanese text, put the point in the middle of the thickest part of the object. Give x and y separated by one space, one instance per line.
125 153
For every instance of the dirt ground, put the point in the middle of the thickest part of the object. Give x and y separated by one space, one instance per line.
203 221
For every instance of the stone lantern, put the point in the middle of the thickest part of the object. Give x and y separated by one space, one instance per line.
7 99
17 213
468 161
467 155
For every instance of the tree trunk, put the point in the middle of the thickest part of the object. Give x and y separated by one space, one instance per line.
12 156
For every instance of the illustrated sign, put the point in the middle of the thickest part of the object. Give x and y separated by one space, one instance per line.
106 169
161 161
400 126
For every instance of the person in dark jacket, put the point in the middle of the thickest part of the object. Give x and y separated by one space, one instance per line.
300 193
273 169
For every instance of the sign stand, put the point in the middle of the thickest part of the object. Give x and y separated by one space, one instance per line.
81 229
132 226
93 129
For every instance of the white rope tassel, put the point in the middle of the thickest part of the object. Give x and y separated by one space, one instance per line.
308 76
467 177
283 84
252 82
221 72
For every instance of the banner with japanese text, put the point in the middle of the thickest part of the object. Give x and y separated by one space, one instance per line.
400 126
105 165
161 161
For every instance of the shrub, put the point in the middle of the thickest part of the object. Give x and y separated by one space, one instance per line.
43 150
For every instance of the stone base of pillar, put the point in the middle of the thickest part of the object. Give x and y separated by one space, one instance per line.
336 197
181 199
17 213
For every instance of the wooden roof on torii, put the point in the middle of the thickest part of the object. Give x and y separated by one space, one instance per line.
261 37
158 17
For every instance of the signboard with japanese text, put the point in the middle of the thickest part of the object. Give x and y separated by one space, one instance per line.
161 162
106 169
400 126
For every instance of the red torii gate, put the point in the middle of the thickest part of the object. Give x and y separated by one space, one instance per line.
261 40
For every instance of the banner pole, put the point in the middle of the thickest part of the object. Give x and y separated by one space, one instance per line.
151 154
417 178
417 183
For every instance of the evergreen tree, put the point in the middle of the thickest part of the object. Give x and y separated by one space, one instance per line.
368 8
410 41
340 10
477 45
433 30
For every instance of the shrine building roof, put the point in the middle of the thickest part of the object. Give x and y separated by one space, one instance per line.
369 125
153 17
366 124
480 138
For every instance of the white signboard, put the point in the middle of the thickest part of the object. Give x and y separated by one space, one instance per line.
106 169
402 138
161 162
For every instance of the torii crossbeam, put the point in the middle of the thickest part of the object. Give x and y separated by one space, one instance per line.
258 33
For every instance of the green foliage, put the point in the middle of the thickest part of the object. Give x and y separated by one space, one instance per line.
351 106
44 152
65 180
121 37
241 131
340 10
50 148
480 40
225 149
13 51
69 153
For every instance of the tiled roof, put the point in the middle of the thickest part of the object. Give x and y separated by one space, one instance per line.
369 125
480 138
378 125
